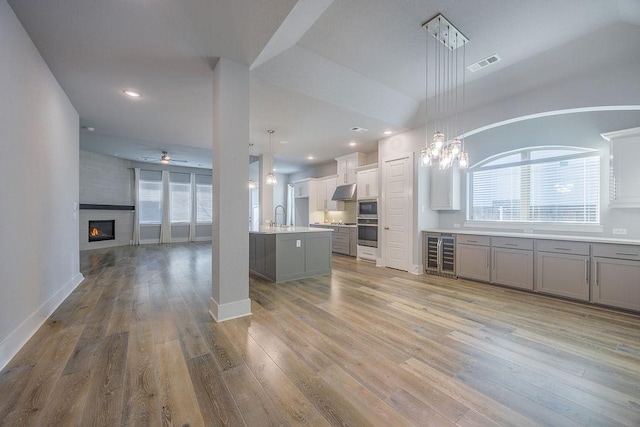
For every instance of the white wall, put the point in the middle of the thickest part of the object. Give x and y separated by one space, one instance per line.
39 256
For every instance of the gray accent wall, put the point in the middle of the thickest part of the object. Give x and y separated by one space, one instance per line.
105 180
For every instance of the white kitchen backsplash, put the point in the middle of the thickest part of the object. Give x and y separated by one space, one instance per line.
348 215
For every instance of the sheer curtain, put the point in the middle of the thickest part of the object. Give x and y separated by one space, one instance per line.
194 209
290 205
165 227
136 207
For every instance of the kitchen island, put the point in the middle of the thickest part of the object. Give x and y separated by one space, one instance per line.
288 253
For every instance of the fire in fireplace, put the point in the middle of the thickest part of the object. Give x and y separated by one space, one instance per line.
102 230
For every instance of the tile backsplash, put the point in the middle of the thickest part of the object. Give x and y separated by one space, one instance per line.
348 215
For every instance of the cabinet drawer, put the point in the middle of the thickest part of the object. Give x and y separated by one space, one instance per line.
342 230
512 243
340 238
563 247
340 248
472 239
617 251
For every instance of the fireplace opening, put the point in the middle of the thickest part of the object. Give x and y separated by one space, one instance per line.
102 230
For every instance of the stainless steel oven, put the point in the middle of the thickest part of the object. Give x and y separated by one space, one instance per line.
368 232
368 208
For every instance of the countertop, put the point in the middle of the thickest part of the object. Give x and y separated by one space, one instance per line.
536 236
333 225
265 229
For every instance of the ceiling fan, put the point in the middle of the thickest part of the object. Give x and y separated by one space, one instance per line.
164 159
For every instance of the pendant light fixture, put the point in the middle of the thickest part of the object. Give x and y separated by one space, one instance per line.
448 70
271 176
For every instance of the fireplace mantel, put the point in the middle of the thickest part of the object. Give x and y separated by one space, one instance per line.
107 207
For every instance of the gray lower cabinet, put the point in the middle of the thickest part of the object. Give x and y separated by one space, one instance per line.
344 240
288 256
473 257
616 276
562 268
512 262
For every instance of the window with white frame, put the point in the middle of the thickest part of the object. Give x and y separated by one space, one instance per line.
536 184
150 203
180 202
204 203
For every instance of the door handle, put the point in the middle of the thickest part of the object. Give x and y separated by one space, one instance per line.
386 228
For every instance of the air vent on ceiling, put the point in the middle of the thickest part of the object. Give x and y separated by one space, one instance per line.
358 129
483 63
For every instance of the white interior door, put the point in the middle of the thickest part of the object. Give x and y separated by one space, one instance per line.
397 213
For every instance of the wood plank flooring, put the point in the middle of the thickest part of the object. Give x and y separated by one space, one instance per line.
134 345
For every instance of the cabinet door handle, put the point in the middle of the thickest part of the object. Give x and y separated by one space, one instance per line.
586 271
626 254
472 241
511 244
486 255
562 249
597 273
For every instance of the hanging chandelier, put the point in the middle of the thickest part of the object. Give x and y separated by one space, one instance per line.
447 78
271 176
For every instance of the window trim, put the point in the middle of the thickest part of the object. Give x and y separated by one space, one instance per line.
530 226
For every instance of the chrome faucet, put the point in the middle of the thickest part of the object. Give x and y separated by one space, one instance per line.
284 215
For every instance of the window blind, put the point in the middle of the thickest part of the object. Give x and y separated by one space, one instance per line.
557 186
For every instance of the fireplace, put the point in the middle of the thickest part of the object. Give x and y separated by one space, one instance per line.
102 230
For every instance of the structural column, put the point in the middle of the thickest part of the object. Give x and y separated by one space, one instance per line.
230 245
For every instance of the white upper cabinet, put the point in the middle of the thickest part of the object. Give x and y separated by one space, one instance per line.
301 189
367 184
346 167
625 152
445 189
325 189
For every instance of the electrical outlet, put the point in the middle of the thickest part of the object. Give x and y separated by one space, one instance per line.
528 230
456 225
298 243
619 231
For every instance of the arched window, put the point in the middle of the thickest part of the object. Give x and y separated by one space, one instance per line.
554 184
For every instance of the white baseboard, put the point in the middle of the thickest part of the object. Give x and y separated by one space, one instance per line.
10 346
203 239
232 310
417 269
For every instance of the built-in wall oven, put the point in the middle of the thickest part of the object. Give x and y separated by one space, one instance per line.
368 232
368 223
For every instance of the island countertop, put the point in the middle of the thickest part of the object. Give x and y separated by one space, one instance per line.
265 229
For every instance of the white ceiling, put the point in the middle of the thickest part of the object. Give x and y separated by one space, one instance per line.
318 67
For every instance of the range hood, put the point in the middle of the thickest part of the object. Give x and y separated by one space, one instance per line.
344 192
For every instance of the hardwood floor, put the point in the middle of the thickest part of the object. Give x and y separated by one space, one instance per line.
134 345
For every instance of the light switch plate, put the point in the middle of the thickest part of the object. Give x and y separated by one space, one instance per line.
619 231
298 244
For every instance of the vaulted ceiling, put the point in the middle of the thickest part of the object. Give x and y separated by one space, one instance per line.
318 67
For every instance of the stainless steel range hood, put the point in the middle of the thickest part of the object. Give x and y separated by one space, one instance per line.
345 192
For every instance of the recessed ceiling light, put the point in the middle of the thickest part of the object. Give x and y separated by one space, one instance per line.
274 169
353 143
284 142
388 132
132 93
310 157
